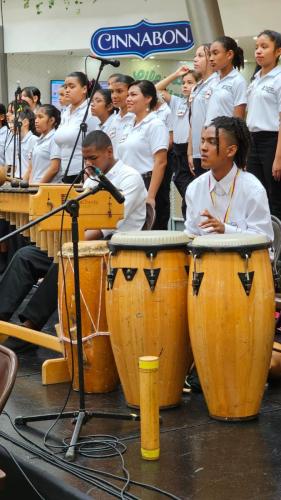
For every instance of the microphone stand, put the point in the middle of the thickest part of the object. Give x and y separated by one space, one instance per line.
17 131
83 125
82 415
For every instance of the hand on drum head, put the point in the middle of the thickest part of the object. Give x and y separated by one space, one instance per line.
212 224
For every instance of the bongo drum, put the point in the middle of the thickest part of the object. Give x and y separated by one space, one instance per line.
100 374
231 321
145 303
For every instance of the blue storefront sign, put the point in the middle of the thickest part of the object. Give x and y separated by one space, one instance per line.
142 39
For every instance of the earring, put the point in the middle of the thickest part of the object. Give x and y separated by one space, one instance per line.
147 109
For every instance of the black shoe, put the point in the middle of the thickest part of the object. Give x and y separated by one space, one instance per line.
19 346
192 382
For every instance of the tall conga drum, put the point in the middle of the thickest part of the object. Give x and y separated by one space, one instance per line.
146 309
100 373
231 321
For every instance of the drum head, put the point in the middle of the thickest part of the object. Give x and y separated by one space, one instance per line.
86 248
143 240
229 242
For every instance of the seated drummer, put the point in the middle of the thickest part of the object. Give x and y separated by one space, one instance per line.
226 199
30 263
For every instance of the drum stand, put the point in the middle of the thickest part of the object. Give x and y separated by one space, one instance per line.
82 415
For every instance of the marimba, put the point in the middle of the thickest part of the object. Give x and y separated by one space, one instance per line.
21 205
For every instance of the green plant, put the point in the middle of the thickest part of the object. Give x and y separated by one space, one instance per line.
40 4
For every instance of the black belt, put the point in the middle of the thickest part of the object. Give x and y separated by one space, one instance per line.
180 148
147 175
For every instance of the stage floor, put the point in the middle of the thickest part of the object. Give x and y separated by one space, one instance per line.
201 459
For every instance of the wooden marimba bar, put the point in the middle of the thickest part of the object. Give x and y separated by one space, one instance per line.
21 205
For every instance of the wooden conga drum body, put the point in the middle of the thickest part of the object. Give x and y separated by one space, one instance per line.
100 374
231 321
145 305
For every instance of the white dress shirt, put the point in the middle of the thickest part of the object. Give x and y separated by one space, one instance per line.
130 182
229 92
66 135
140 142
264 102
239 199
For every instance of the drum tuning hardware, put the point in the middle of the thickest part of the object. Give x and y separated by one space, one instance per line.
196 282
196 278
247 280
129 273
111 275
247 277
152 277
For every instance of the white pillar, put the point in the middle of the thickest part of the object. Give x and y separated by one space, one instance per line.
205 18
3 70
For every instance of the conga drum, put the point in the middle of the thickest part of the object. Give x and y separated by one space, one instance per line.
100 374
146 309
231 321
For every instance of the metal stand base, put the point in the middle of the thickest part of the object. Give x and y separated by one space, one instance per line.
79 418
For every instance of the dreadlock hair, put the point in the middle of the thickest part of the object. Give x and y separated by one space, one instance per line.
238 132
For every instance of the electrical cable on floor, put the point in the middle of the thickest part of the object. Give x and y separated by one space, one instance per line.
82 472
99 446
22 471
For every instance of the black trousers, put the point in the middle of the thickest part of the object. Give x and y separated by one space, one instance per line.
182 174
162 200
197 167
27 266
260 161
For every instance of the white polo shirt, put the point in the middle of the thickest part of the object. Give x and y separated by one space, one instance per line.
230 91
66 135
200 98
164 113
247 209
130 182
44 150
119 128
180 119
107 125
27 145
264 102
4 132
140 142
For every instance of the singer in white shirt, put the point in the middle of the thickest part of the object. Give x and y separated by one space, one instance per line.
226 199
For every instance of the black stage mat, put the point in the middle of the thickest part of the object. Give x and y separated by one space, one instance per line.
201 459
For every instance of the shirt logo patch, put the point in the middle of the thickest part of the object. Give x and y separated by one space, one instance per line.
269 90
228 88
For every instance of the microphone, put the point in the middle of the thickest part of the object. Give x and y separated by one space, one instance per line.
108 186
113 62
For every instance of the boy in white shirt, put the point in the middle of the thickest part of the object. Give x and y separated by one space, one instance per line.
226 199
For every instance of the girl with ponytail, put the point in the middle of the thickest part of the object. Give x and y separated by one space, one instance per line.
77 91
229 97
264 115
